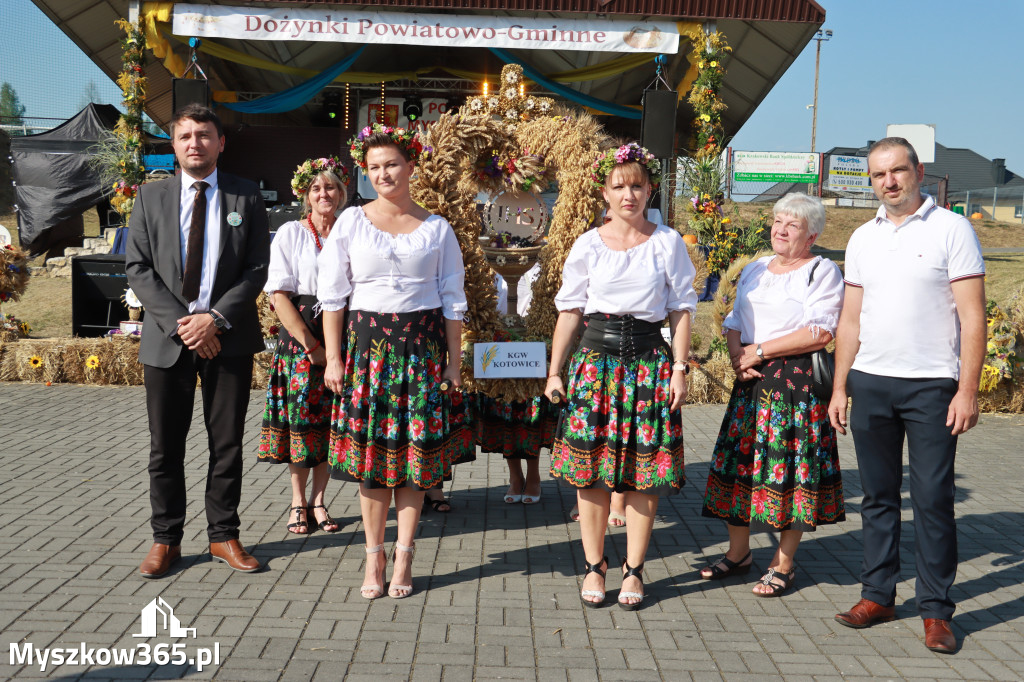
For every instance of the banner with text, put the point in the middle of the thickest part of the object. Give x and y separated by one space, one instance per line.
848 174
775 167
408 28
506 360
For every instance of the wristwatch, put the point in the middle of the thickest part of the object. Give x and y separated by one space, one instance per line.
760 351
218 320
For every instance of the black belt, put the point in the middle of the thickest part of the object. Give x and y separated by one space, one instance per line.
624 336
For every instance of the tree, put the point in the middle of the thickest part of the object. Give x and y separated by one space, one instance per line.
89 95
11 108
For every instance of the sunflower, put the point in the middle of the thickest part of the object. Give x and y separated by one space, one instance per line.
92 362
35 362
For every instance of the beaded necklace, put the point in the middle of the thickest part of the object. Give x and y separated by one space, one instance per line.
316 235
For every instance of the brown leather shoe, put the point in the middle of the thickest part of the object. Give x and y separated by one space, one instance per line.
938 636
159 560
865 614
234 555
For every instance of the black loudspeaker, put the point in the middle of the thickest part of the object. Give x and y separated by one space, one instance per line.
658 128
97 285
190 91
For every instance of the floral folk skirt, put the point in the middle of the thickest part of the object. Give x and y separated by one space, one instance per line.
776 465
393 426
616 431
297 416
516 429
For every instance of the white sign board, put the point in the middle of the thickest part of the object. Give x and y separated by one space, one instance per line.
920 135
775 167
848 174
513 359
343 25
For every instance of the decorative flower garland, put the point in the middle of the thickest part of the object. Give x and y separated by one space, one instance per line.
709 50
13 273
1001 351
705 174
128 138
404 138
310 168
631 152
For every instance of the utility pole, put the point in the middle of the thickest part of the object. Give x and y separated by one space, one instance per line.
823 36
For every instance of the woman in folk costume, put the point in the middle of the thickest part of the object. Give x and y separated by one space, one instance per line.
297 416
391 286
621 430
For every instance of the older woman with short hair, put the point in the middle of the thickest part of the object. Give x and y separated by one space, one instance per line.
775 466
297 417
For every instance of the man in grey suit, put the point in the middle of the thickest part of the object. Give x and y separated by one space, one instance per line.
197 255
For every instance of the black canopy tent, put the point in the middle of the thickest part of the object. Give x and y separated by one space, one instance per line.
55 183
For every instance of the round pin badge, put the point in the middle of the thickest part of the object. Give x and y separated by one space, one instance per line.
234 219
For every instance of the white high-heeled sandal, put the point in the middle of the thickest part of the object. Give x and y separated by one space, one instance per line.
373 591
401 591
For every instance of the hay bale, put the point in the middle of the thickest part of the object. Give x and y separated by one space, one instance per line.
261 370
711 382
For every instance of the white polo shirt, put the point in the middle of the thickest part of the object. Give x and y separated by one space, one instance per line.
909 326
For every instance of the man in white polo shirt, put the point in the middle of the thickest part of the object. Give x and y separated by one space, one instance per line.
909 349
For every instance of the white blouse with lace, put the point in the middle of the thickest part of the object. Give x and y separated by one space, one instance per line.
293 260
769 306
646 281
368 269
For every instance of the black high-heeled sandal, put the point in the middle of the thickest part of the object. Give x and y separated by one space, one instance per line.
299 521
589 568
635 572
326 522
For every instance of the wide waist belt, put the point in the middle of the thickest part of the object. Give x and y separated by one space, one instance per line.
624 337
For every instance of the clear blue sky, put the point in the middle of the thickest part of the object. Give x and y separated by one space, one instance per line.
951 63
954 64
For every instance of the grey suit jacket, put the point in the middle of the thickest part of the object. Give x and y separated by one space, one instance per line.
154 268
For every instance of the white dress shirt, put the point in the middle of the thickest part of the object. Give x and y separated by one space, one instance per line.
770 305
646 281
372 270
211 239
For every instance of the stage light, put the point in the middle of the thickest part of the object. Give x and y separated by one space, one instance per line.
332 104
413 107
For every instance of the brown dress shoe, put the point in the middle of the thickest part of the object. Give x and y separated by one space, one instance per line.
234 555
938 636
865 614
159 560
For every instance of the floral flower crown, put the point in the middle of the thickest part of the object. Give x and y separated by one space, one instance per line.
310 168
627 153
404 138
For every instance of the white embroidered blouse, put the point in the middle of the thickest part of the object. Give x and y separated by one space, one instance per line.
368 269
293 260
769 306
646 281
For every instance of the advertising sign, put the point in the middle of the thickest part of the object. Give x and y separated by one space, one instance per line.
848 174
506 360
775 167
342 25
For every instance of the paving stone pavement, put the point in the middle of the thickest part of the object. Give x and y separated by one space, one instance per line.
496 587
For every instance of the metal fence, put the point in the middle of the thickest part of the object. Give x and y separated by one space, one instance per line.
992 203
